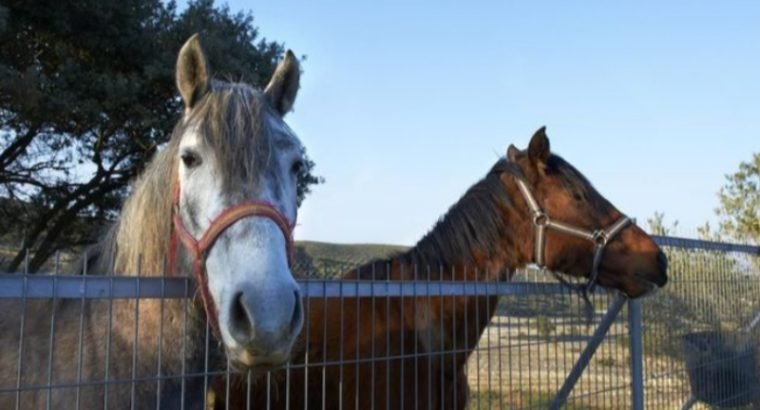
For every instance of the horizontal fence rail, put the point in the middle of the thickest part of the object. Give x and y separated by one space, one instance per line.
126 287
698 244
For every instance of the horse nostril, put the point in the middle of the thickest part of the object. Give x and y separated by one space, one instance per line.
662 265
662 261
241 322
295 321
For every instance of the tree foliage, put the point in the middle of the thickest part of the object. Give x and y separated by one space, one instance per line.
87 95
740 202
706 289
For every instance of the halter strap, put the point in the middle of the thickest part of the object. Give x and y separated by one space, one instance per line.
541 221
599 237
199 248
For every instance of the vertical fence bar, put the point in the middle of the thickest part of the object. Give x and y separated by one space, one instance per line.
160 335
402 351
454 332
415 303
106 374
20 363
306 363
183 365
324 345
637 354
248 390
358 341
53 306
136 339
81 334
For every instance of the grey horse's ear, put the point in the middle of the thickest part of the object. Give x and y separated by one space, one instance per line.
512 153
192 72
283 87
538 149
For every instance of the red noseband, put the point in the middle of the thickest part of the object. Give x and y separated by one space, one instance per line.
199 248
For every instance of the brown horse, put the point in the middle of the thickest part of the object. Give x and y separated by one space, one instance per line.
218 204
411 352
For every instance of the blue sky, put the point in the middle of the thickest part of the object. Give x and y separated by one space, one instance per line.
404 105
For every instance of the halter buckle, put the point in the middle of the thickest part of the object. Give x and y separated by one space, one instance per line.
600 238
540 219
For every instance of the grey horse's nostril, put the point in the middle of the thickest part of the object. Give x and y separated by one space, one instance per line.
295 322
241 323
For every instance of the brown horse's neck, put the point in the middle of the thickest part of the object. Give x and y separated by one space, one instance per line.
485 236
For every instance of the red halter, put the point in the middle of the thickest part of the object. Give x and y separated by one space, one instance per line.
199 248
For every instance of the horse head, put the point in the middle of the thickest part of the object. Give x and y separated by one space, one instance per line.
575 229
235 205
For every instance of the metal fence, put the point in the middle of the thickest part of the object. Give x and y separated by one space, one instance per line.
690 344
700 333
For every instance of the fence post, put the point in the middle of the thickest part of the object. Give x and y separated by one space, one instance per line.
637 354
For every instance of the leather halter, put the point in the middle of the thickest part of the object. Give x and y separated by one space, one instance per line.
541 221
199 248
599 237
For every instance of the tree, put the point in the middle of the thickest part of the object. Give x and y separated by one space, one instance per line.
657 225
707 289
87 95
740 202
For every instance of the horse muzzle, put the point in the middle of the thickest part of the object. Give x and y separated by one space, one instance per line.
264 327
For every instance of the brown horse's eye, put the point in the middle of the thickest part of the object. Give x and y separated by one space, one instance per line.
577 196
190 159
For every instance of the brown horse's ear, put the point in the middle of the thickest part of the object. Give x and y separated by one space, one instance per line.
538 149
192 72
512 153
283 87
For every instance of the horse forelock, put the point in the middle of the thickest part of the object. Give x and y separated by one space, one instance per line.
233 121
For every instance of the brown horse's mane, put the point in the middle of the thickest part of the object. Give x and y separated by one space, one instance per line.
472 224
226 118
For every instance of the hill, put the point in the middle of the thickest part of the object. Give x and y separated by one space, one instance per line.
324 259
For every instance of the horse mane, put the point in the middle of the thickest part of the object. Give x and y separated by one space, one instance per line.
473 225
230 119
138 242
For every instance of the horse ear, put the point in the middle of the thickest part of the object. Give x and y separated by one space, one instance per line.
283 87
192 72
538 149
512 153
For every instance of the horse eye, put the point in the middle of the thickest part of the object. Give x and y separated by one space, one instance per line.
297 167
577 196
190 159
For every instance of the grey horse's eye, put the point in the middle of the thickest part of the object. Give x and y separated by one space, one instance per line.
190 159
